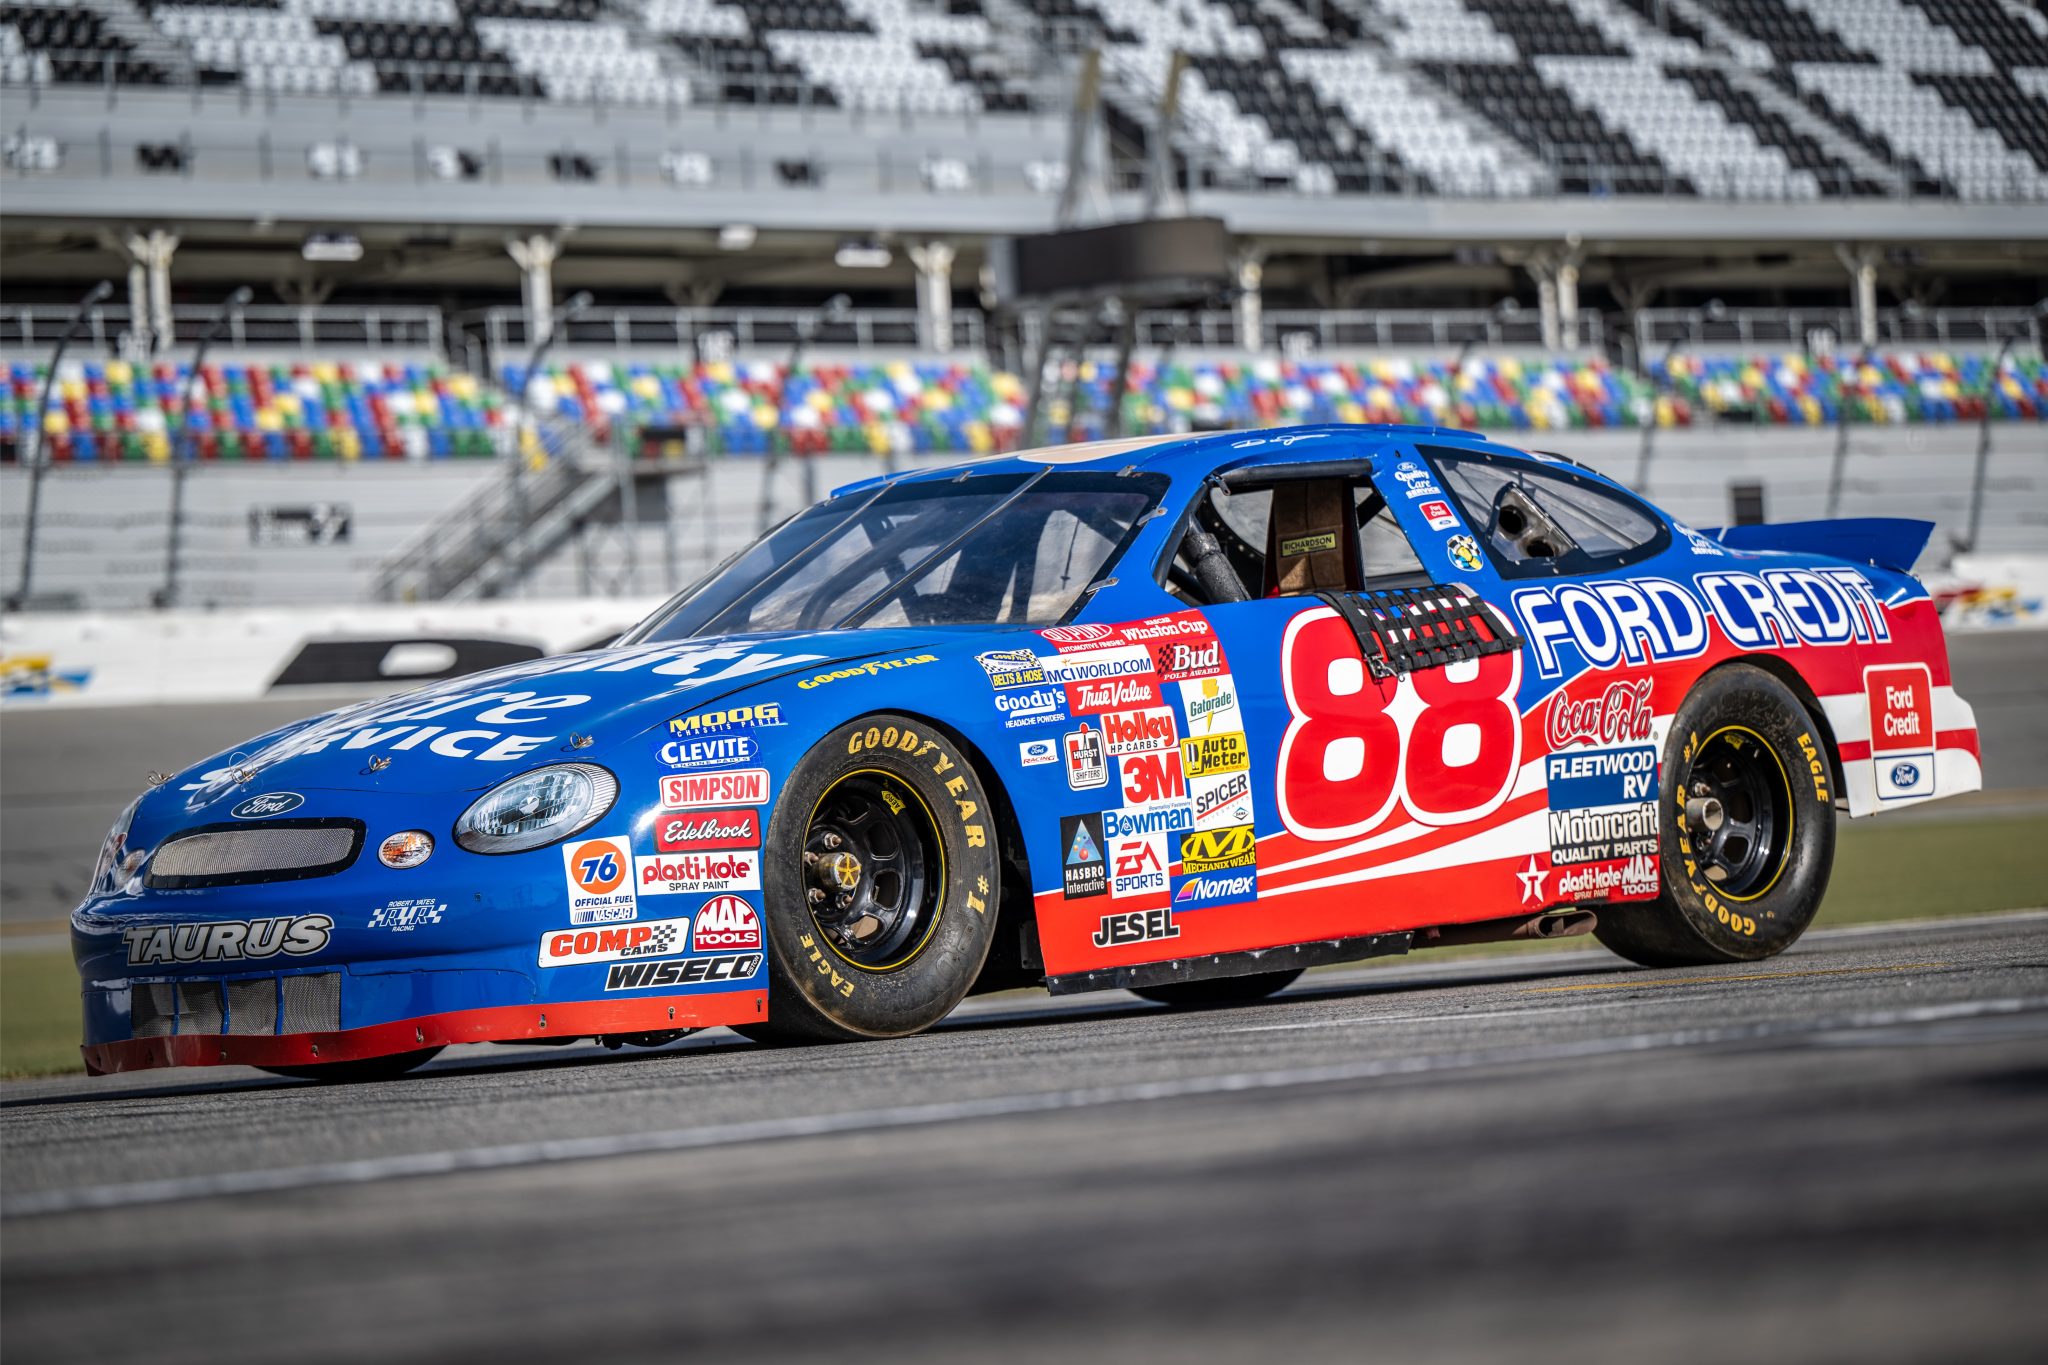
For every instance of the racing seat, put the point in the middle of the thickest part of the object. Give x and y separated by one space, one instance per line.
1312 539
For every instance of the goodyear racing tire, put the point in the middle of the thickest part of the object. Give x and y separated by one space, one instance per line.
880 885
368 1069
1747 828
1218 990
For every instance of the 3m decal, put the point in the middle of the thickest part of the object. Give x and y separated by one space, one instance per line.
599 875
1218 850
1011 667
710 829
726 922
670 874
1084 870
574 947
1136 926
1152 778
713 722
721 752
685 971
1901 701
241 940
1138 732
738 787
1449 753
1208 754
402 917
1087 759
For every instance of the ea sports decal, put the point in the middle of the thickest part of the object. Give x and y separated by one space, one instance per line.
1901 699
726 923
1084 871
599 874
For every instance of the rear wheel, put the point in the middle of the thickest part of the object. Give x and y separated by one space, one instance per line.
1219 990
1747 829
879 885
366 1069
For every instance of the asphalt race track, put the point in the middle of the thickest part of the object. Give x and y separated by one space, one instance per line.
1835 1155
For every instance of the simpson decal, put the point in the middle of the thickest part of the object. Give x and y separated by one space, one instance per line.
738 787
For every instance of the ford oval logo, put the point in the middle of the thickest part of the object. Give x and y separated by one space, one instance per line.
269 804
1905 775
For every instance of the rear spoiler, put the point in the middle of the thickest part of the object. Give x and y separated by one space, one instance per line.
1887 542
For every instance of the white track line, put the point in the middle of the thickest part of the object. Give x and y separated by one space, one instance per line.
921 1115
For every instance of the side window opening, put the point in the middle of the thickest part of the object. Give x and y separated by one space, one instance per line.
1538 521
1294 538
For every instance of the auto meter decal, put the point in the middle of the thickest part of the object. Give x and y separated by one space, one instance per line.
599 875
724 923
1901 701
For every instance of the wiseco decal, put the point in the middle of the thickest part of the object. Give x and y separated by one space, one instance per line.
711 829
683 971
738 787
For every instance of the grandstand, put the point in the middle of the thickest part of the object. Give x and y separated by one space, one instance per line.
1689 221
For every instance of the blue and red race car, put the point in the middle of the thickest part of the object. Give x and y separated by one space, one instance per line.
1179 715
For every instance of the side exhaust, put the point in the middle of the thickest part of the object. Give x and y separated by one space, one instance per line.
1554 924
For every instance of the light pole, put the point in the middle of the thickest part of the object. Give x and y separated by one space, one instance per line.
181 451
558 325
1841 460
37 462
836 309
1984 425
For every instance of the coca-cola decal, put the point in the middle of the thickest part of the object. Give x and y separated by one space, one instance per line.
1621 714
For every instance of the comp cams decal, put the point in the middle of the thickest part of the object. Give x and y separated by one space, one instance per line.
574 947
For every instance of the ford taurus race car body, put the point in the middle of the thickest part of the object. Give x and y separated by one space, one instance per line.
1182 715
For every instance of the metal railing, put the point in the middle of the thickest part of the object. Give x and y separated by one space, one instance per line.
1794 326
322 327
684 329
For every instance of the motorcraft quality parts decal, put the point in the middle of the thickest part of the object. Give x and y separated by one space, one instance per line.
1153 750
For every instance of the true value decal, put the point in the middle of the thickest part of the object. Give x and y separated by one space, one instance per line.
242 940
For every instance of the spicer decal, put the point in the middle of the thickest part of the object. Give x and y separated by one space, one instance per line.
242 940
573 947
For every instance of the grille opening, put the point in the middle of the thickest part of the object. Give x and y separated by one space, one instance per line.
239 855
152 1009
199 1007
252 1006
312 1003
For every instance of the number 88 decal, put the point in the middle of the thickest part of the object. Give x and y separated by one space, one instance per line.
1444 742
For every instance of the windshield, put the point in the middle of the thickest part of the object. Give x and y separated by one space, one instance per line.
992 549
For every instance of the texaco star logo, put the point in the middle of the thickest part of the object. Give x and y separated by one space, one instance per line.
1531 878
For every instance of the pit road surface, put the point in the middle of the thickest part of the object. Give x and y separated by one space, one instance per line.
1834 1155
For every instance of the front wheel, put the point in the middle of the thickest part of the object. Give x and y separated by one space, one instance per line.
879 883
1746 831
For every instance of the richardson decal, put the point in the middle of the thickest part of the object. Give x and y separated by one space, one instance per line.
1011 668
1117 694
1439 515
866 670
1180 660
1033 753
1620 714
1215 888
404 916
1901 700
572 947
766 713
1208 754
1078 637
1217 850
265 806
681 971
1083 870
599 875
1211 704
1651 620
1224 799
1149 779
709 829
1307 545
1135 926
726 922
671 874
739 787
1031 706
1419 482
724 751
1137 866
242 940
1131 824
1094 665
1138 732
1087 762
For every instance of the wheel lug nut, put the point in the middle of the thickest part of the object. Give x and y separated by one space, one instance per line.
832 840
817 897
845 899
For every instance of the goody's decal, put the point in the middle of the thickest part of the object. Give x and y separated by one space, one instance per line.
242 940
723 751
1901 702
599 875
268 805
1031 705
573 947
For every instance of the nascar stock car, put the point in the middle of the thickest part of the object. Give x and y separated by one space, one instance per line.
1178 715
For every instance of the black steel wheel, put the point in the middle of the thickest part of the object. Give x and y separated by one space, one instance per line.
1746 834
879 885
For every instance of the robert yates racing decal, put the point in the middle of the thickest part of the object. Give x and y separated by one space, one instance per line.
241 940
403 917
1603 823
598 873
1901 699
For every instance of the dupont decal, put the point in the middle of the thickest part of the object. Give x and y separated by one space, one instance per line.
683 971
1211 704
1209 754
673 874
1218 850
700 831
1137 865
1084 872
1901 700
599 874
1138 732
1134 926
1011 668
1031 705
574 947
723 751
767 713
1087 760
402 917
241 940
726 922
738 787
1033 753
1115 694
1078 637
267 805
1094 665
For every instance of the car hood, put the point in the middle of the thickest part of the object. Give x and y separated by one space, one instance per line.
472 732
